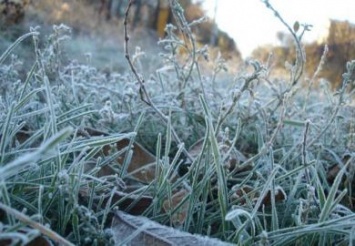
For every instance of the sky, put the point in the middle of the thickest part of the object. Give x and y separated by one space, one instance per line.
251 24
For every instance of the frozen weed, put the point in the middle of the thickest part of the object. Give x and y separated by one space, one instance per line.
259 160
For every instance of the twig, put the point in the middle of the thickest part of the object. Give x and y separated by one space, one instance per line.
300 56
247 81
185 28
142 90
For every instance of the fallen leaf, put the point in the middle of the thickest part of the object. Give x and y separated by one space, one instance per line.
280 196
179 216
138 230
38 241
246 192
142 164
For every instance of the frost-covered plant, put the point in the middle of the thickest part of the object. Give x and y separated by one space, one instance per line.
260 160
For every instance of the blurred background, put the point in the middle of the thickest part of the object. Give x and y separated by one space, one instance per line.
239 29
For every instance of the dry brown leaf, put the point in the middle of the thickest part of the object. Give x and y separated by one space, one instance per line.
179 216
332 173
21 136
38 241
241 194
142 165
280 196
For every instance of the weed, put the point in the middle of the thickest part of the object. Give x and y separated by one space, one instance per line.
248 159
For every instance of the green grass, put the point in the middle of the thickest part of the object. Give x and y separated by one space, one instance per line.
260 174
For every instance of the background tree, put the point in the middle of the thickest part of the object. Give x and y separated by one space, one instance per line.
340 41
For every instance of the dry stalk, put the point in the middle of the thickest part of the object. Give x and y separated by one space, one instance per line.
142 90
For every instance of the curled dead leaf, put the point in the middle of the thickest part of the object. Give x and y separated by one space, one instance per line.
280 196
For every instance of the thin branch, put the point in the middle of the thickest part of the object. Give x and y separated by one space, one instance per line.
142 90
300 56
247 81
